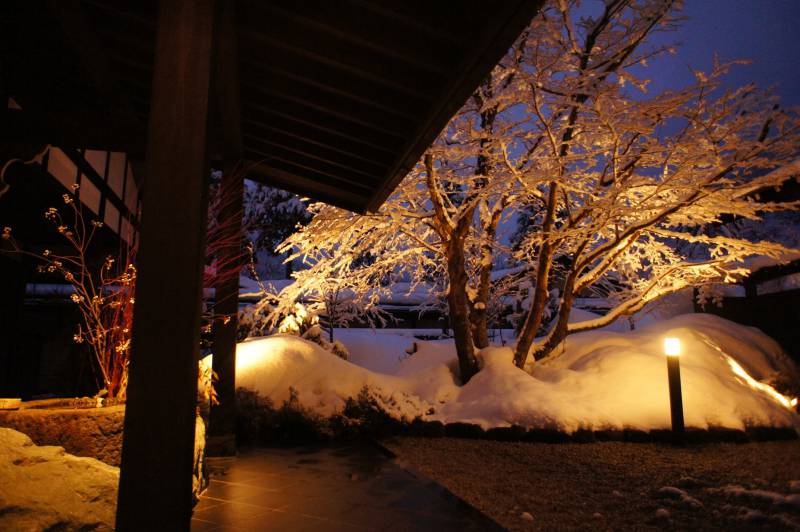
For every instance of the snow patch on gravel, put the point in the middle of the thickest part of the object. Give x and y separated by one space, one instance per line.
758 496
671 492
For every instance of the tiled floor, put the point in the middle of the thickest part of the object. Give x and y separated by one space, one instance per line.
347 488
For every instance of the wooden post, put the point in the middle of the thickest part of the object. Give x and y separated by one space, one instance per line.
158 442
221 440
12 300
227 146
675 398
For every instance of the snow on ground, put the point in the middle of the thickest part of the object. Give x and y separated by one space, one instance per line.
44 488
380 350
758 495
599 379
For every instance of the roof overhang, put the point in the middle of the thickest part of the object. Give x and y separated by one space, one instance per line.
333 100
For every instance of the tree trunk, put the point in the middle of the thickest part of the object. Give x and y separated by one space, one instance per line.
330 305
534 318
458 304
452 242
560 329
479 325
479 312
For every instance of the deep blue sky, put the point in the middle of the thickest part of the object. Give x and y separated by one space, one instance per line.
764 31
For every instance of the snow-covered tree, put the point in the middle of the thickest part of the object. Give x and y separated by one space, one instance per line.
613 182
619 178
438 229
338 298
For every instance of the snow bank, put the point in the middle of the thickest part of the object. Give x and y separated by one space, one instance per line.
600 379
323 382
44 488
379 350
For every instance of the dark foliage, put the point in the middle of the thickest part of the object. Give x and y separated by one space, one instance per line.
259 422
636 436
546 436
512 433
426 429
371 419
584 436
464 430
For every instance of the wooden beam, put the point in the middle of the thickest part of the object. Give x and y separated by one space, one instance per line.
347 112
128 62
330 74
82 128
309 119
310 83
347 164
508 21
138 42
134 17
415 23
328 53
269 174
226 135
155 491
315 169
313 137
81 37
365 31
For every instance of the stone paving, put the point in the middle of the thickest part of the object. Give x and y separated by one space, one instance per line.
347 487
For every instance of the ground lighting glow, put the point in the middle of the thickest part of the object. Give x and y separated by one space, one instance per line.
672 346
772 392
739 371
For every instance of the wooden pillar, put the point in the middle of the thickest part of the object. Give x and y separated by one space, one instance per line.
221 440
158 441
12 300
227 147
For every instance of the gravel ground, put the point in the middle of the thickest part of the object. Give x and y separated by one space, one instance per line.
615 485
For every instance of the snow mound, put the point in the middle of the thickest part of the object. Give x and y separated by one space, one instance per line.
44 488
596 380
276 365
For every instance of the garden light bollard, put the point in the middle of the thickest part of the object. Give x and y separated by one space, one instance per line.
672 348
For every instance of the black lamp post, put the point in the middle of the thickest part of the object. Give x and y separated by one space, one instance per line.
672 348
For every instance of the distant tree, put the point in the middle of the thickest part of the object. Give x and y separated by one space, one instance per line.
270 216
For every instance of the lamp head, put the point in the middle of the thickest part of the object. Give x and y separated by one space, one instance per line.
672 346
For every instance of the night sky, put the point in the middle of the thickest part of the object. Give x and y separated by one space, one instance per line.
764 31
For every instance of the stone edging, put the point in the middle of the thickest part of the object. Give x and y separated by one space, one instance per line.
434 429
93 432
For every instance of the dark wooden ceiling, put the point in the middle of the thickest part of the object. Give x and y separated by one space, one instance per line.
338 99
